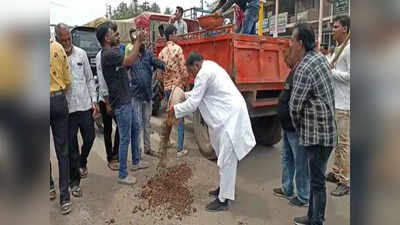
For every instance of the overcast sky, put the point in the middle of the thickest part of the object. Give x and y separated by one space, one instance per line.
78 12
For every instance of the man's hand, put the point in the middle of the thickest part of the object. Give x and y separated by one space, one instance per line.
95 110
159 74
109 109
140 36
331 66
172 20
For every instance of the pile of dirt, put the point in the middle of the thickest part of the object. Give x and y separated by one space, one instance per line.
168 193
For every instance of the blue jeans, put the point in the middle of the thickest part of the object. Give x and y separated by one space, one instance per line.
317 161
128 132
180 127
294 165
250 17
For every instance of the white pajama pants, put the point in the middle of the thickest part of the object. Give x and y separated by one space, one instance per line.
227 173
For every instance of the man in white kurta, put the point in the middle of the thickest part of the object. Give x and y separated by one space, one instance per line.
224 110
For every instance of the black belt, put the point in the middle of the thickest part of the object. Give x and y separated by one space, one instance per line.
56 93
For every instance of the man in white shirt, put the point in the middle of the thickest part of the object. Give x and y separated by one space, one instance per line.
178 21
224 110
82 104
340 173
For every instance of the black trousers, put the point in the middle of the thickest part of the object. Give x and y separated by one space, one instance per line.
317 161
112 151
83 121
59 128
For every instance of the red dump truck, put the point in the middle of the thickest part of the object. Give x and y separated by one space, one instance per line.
257 67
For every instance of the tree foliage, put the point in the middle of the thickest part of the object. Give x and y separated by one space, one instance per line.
125 11
168 11
155 8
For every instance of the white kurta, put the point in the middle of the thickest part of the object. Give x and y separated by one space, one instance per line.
224 110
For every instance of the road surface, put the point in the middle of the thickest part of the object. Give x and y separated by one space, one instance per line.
104 199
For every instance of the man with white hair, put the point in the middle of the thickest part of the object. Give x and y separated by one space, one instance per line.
224 110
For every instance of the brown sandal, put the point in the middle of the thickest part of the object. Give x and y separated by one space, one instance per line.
113 165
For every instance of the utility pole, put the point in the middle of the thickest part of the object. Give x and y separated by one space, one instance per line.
202 6
135 6
276 17
108 11
321 12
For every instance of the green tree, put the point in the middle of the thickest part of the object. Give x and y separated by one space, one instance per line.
168 11
124 12
155 8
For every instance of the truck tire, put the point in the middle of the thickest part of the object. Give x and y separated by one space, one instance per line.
157 95
267 130
202 138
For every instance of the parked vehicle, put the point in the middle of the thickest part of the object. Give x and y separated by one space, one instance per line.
85 38
257 67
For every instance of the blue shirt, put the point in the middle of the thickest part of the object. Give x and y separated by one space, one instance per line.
142 73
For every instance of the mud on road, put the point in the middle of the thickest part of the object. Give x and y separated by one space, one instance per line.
105 201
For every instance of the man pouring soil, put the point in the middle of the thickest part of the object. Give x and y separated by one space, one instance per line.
225 112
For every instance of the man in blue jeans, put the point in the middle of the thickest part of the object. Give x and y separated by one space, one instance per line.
293 155
114 64
250 8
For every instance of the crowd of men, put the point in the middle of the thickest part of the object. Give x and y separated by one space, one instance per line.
123 95
314 109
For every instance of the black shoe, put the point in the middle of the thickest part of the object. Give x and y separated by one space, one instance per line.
296 202
302 220
341 190
332 178
116 157
214 192
279 193
216 206
150 153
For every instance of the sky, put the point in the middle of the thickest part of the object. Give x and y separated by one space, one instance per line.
78 12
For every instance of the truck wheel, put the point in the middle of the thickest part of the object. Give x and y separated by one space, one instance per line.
267 130
156 104
157 95
202 138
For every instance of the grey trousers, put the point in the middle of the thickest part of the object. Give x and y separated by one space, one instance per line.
143 110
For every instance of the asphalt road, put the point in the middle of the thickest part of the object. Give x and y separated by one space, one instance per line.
104 199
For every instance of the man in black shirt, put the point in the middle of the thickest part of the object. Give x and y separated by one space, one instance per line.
114 65
293 156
